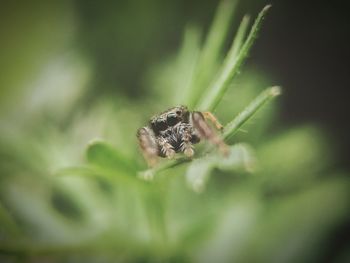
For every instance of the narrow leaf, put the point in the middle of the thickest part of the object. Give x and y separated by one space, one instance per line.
232 127
106 157
240 158
211 50
231 67
239 39
186 64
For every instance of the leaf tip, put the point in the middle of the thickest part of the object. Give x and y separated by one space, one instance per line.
266 8
275 91
246 18
94 141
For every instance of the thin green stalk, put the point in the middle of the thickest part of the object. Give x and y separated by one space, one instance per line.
211 50
231 67
239 38
232 127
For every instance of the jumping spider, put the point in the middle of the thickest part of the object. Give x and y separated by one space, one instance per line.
177 130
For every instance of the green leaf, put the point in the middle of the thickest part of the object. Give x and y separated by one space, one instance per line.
239 39
211 51
106 157
298 149
185 65
240 158
231 67
8 224
232 127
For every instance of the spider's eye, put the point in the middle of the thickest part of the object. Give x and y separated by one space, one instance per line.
161 125
172 119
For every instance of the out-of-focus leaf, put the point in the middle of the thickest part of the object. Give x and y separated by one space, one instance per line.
28 44
43 210
294 157
240 158
186 65
8 227
209 55
233 225
198 173
106 157
293 229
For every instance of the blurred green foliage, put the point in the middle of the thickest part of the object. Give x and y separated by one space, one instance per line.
73 185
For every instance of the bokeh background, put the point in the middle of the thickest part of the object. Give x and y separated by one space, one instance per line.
60 60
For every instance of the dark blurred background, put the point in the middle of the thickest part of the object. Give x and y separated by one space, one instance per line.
303 46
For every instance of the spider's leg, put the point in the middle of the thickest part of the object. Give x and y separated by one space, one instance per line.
210 116
205 131
148 145
186 145
166 148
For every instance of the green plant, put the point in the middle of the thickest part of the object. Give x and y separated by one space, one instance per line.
265 202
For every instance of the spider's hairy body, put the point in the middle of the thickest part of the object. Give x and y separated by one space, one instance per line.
176 130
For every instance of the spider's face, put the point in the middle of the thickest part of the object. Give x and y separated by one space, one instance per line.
169 118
